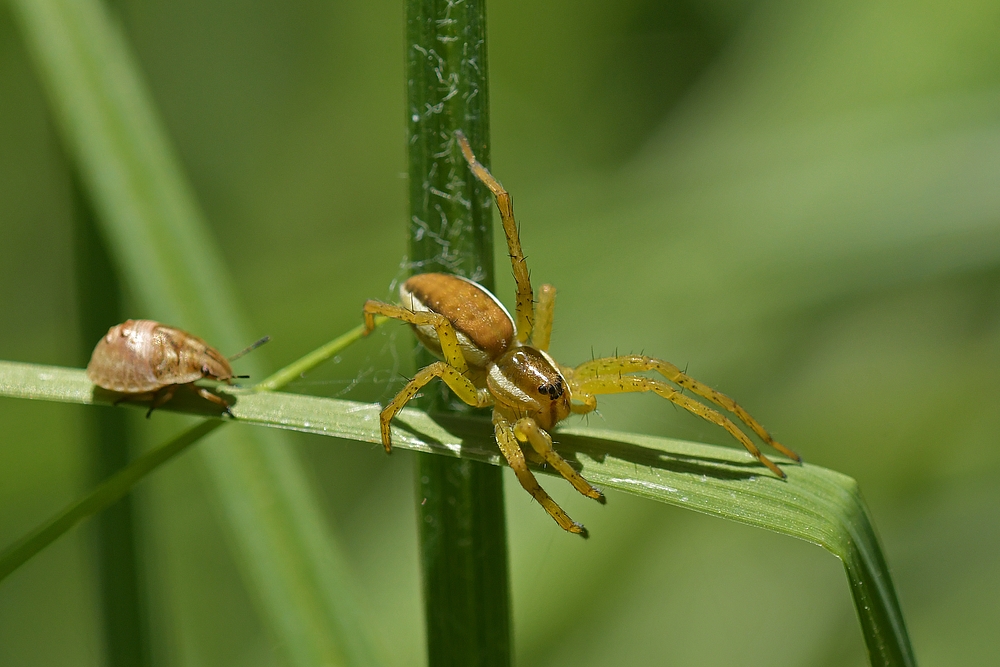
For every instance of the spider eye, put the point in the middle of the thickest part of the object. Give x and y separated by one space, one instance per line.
553 391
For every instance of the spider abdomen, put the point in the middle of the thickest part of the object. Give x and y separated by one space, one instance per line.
484 328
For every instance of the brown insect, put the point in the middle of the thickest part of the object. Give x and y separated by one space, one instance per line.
491 359
148 360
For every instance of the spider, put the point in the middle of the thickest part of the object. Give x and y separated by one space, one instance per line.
489 359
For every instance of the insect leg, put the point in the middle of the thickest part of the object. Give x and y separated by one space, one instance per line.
215 398
527 430
515 457
160 397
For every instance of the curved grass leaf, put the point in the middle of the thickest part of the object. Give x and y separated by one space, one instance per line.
158 240
814 504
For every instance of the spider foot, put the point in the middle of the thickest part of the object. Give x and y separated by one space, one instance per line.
784 450
772 466
588 489
385 429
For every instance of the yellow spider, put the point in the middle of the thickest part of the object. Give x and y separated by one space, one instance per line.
490 361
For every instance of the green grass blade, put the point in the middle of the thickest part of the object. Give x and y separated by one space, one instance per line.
814 504
156 235
463 536
108 437
30 381
105 495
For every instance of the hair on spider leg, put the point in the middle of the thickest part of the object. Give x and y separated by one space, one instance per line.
406 380
682 387
595 412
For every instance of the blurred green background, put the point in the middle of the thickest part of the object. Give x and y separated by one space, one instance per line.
798 201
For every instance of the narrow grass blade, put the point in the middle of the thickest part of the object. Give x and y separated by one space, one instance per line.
105 495
814 504
66 385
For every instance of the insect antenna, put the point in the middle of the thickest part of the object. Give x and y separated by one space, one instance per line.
248 349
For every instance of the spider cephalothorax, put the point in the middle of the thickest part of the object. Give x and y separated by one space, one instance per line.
491 359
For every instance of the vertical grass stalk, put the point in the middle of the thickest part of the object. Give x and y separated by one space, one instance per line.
99 302
460 503
161 246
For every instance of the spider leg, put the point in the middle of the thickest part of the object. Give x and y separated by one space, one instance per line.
517 260
515 457
446 332
458 383
160 397
527 430
637 363
633 383
542 332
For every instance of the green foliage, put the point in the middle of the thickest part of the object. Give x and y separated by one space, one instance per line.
798 202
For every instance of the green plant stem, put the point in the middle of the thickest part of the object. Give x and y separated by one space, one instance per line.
460 502
292 371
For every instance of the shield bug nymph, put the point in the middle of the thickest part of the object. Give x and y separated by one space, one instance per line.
143 359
